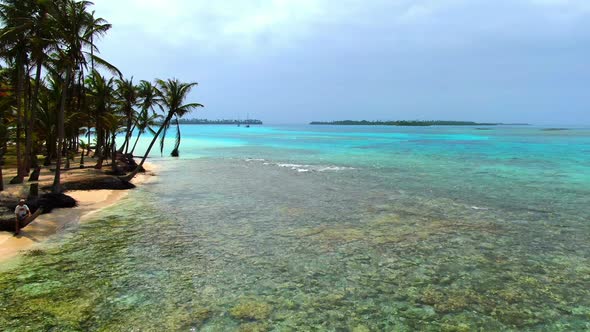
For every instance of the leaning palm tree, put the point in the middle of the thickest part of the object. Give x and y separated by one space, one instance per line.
128 95
145 122
175 152
172 94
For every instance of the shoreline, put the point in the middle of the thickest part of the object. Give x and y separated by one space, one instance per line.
47 226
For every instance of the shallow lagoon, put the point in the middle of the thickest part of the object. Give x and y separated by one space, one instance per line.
328 228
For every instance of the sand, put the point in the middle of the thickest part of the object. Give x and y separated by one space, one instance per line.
49 225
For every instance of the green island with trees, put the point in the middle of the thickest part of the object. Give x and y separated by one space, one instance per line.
412 123
219 122
55 90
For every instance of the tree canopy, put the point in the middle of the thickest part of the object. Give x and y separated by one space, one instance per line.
54 87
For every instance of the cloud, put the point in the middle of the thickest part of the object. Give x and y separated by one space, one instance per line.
414 55
214 24
253 25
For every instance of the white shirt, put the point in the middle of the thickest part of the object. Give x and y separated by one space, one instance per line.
21 211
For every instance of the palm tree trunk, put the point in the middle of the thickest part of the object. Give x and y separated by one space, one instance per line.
128 140
128 132
136 140
27 118
31 127
19 110
88 140
99 141
175 152
114 153
131 175
57 188
1 163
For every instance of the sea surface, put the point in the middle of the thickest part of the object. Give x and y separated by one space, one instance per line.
326 228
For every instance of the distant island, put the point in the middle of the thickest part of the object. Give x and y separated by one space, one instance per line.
413 123
219 122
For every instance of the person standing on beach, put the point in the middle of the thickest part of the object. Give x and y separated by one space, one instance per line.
22 212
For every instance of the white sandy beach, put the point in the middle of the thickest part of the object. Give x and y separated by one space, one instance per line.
48 225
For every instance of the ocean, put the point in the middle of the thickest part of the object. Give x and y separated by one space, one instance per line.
329 228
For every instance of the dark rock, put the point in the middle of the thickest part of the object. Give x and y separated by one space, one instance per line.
101 182
47 202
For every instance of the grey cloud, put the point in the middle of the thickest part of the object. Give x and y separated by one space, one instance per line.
473 60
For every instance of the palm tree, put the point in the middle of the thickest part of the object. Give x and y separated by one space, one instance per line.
76 27
127 94
175 152
101 101
6 100
145 122
148 98
42 41
84 147
172 94
16 15
3 139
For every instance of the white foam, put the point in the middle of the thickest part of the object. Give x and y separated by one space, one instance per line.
303 168
334 168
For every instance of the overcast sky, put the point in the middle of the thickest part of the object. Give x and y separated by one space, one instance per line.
294 61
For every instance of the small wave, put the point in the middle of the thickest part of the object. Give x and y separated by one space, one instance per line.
479 208
334 168
290 165
303 168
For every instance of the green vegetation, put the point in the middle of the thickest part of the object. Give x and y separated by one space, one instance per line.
413 123
219 122
55 88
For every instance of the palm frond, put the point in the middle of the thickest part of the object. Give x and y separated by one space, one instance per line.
106 65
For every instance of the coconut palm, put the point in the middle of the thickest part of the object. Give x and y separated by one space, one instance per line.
16 16
101 101
127 94
145 122
42 41
172 94
47 46
6 100
76 27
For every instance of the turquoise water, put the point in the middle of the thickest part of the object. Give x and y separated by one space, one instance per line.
289 228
